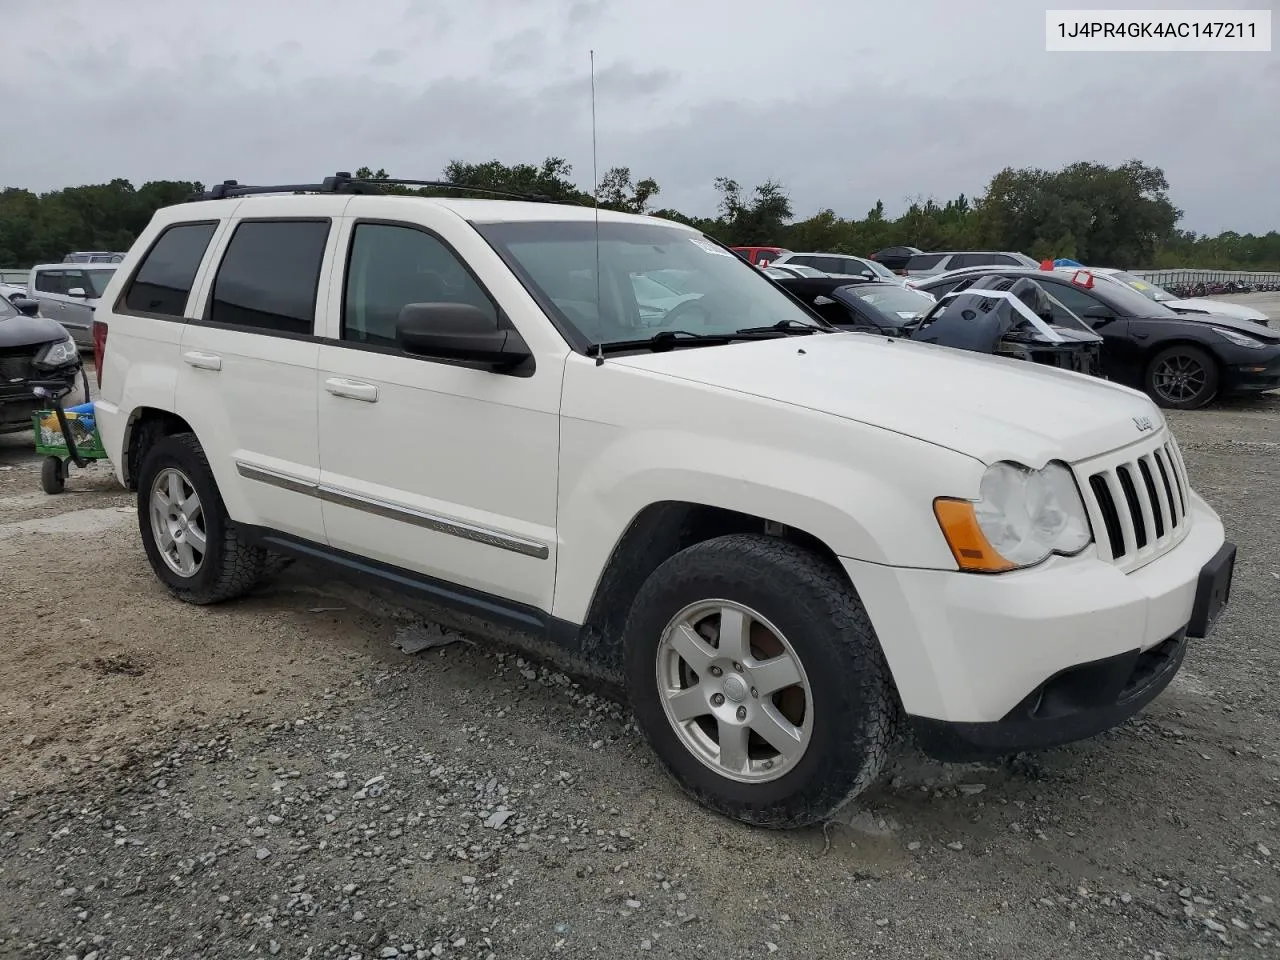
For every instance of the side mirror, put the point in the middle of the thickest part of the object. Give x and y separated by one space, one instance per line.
77 292
458 331
26 306
1098 312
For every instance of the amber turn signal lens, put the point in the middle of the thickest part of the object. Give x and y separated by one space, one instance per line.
965 538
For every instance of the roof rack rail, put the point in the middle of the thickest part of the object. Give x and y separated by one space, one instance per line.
343 182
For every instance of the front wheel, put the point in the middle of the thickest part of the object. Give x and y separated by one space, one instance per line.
756 675
190 541
1182 377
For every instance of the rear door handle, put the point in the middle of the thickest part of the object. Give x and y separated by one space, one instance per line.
352 389
205 361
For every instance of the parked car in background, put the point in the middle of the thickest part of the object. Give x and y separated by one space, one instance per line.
869 306
840 265
895 258
93 256
760 256
928 264
69 293
13 282
1179 361
791 270
1192 305
32 347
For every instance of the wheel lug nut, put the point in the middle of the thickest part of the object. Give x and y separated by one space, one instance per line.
738 667
754 693
716 671
742 713
717 699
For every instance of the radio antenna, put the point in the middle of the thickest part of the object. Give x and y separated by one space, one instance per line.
595 190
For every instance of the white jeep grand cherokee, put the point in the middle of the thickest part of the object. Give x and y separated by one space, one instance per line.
779 539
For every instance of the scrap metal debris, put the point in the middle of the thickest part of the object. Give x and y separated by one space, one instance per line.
418 637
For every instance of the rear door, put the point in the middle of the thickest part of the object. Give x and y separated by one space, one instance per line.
49 288
247 381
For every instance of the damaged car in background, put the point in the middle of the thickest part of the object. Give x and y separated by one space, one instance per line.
1182 361
32 348
1012 318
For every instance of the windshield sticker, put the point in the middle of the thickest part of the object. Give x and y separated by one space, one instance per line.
709 247
1139 285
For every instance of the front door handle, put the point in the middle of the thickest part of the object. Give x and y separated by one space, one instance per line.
352 389
205 361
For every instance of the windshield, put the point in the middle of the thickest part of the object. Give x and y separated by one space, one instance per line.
1128 301
1148 290
722 293
7 309
879 269
894 299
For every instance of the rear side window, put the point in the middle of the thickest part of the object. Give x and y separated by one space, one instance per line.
51 281
269 275
391 266
163 282
925 261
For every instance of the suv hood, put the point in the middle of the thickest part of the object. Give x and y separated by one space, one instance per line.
991 408
23 331
1220 307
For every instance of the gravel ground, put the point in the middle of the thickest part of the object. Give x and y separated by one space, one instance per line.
277 777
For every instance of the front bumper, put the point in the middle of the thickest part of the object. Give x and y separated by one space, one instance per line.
1251 371
994 664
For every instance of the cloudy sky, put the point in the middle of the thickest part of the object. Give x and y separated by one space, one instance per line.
842 102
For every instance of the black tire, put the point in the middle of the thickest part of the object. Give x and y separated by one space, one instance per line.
1191 362
855 707
53 476
230 566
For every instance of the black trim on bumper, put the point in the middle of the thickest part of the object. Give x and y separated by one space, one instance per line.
1073 704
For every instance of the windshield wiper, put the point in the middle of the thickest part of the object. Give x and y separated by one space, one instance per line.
785 326
663 340
669 339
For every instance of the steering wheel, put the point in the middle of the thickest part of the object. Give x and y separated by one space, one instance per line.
680 311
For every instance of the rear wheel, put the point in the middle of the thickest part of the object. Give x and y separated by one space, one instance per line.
190 541
1182 377
756 675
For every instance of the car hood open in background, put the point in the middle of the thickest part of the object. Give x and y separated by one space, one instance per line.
988 407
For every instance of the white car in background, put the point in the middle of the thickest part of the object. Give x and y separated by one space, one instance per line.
1190 305
840 265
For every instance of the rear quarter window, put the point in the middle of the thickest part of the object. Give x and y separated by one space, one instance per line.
164 280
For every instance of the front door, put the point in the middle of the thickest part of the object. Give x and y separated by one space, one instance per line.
437 468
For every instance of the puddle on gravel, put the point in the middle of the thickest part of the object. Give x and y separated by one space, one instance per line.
72 522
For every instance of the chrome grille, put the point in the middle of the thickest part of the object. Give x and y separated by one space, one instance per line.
1137 502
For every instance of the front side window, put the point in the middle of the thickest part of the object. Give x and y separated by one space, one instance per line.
557 260
95 282
269 275
391 266
163 282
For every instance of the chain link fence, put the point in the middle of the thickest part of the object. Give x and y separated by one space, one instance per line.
1200 283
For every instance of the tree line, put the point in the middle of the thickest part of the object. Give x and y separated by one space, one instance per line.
1113 216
